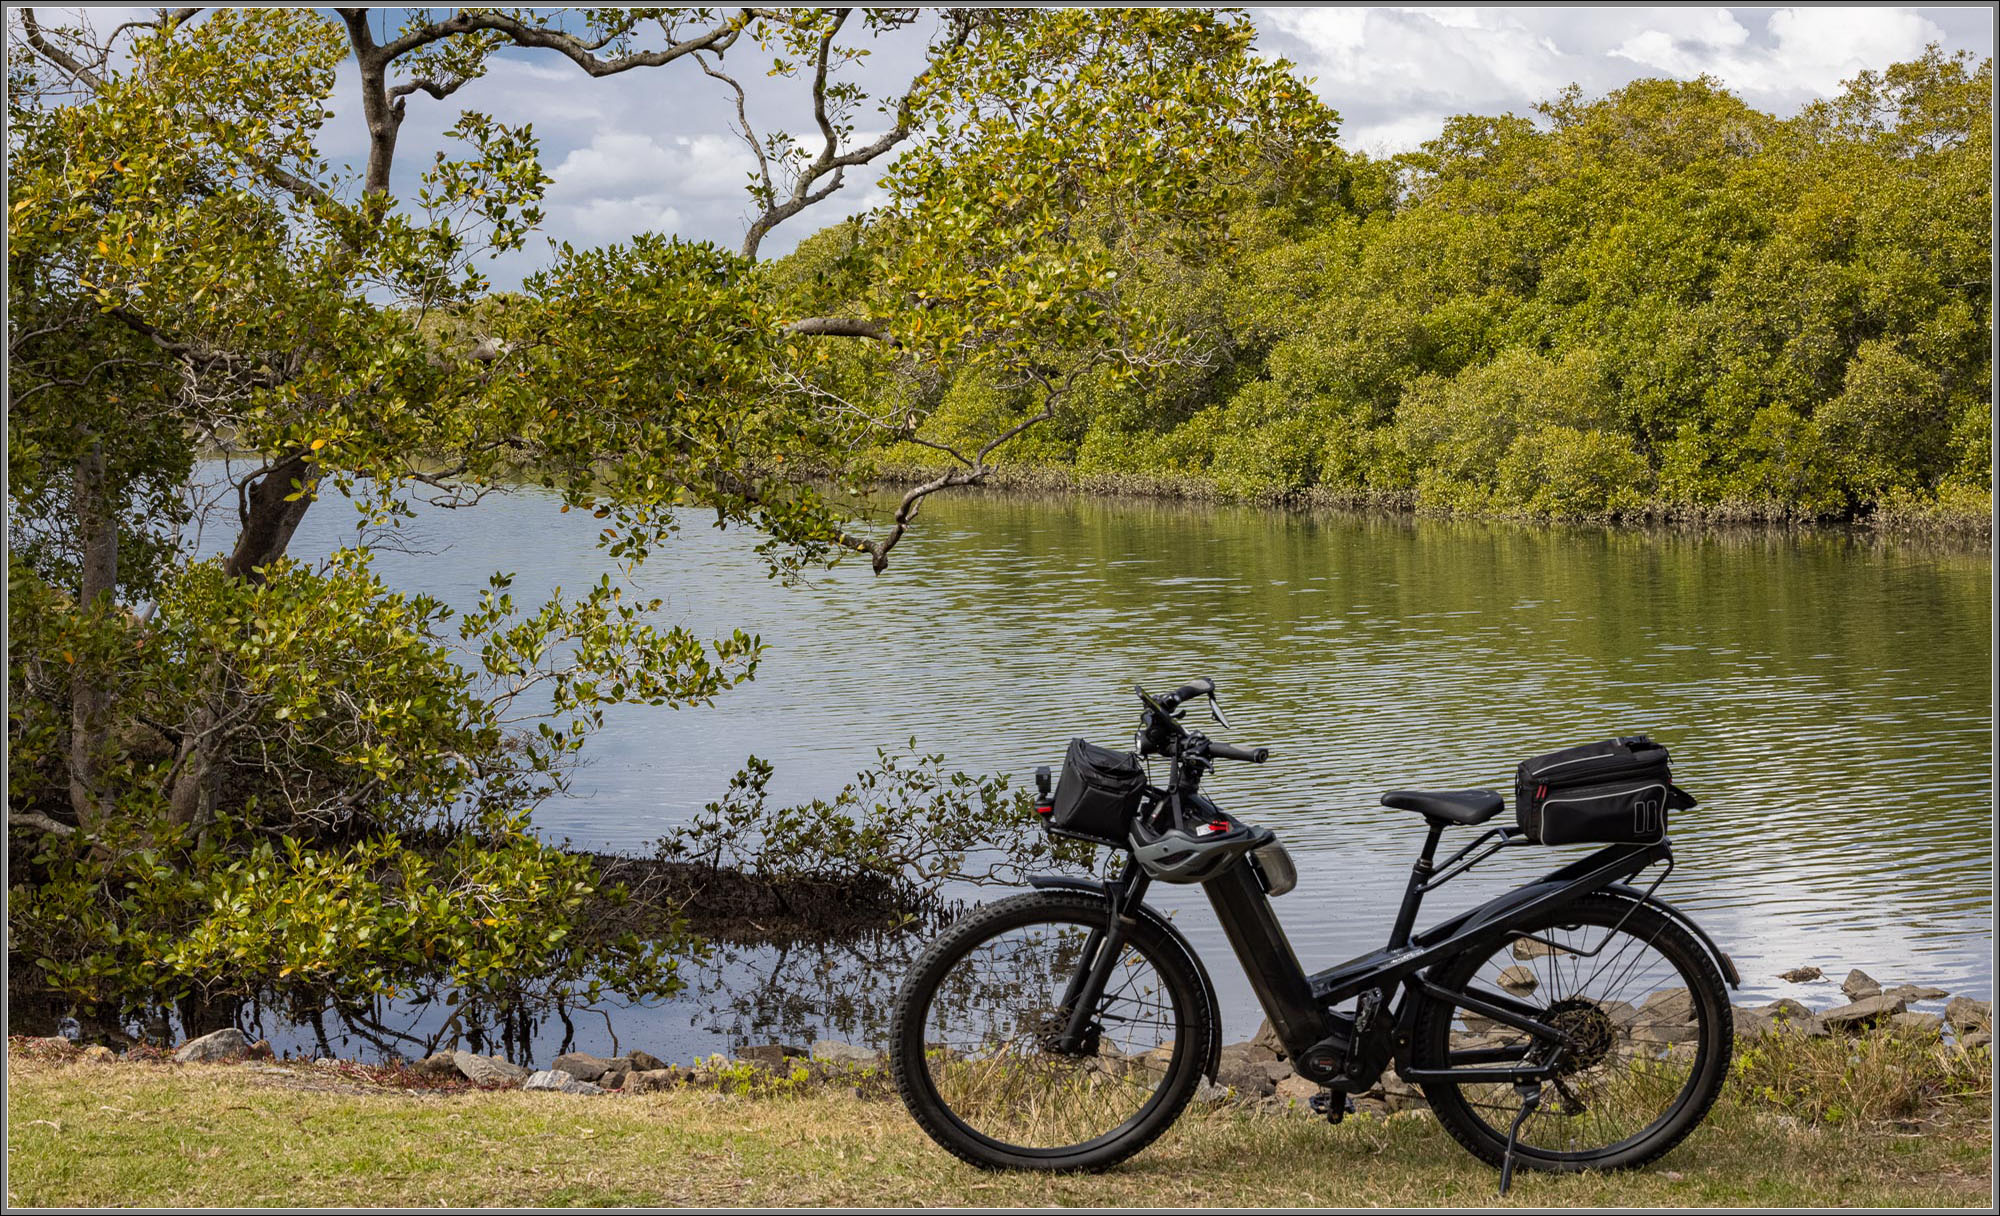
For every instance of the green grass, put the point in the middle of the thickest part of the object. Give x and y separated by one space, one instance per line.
88 1134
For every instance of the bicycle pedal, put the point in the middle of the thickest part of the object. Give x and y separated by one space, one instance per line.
1323 1104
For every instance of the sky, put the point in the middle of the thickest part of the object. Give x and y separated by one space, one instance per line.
653 149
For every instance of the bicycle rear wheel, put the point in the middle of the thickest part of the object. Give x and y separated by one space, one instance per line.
975 1043
1649 1021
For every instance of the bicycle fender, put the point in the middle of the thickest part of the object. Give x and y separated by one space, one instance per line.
1152 916
1723 962
1600 871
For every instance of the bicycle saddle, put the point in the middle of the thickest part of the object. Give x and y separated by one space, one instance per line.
1465 807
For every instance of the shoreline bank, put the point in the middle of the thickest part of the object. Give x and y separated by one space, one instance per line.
1969 528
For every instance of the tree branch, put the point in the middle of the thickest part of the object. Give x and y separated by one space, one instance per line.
581 53
842 327
56 55
975 470
35 819
831 163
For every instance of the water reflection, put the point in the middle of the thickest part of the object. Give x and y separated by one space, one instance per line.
1828 698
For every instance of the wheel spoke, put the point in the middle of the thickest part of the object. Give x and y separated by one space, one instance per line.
1637 1038
993 1028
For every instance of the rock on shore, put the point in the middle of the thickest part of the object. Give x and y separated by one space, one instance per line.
223 1045
1252 1073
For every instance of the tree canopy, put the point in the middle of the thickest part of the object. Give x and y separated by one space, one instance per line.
1660 302
212 318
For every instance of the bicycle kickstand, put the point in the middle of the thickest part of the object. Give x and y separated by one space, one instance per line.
1531 1098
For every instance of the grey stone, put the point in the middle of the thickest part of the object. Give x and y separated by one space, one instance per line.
1809 1026
489 1070
226 1044
1297 1089
1664 1032
614 1076
1921 1023
1519 979
582 1066
1246 1078
1859 984
1912 993
831 1051
1526 948
1863 1012
645 1061
440 1065
1158 1059
646 1080
1749 1023
1667 1006
559 1082
1784 1007
1208 1093
1400 1095
1968 1016
1254 1052
1801 975
1975 1039
1268 1039
1621 1013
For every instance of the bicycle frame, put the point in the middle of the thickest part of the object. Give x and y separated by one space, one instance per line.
1300 1005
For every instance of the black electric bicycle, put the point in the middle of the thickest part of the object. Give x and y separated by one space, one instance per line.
1576 1022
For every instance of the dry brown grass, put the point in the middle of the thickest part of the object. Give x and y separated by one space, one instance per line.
156 1134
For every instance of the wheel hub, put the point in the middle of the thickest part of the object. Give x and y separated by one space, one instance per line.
1052 1025
1589 1030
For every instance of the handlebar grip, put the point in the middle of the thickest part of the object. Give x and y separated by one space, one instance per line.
1188 692
1223 751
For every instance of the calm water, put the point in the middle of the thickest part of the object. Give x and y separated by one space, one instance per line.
1828 700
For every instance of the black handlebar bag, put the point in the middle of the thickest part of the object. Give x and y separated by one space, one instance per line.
1615 792
1099 793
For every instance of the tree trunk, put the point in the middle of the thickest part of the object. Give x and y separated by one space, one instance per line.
268 527
97 596
272 516
189 800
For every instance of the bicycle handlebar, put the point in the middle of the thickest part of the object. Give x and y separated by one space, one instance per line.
1223 751
1203 687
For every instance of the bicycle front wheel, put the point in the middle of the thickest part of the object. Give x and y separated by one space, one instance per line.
976 1041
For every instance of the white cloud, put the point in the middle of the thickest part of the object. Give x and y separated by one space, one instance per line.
606 221
653 150
1808 51
1396 74
706 166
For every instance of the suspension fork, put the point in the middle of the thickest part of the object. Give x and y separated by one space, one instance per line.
1101 951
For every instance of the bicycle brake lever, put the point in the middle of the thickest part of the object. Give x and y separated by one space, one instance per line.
1215 712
